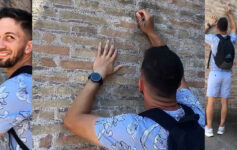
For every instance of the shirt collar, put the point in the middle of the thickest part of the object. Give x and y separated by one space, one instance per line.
24 69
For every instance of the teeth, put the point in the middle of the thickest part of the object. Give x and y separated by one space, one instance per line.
3 54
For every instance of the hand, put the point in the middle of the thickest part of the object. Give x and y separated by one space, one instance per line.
228 10
213 20
145 21
104 62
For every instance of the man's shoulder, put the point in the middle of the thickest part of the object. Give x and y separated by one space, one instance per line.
21 77
129 117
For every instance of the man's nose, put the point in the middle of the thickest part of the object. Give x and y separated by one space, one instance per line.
2 44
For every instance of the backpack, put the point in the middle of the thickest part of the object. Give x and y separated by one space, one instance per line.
225 55
185 134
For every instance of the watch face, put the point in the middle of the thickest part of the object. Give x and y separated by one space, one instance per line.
95 77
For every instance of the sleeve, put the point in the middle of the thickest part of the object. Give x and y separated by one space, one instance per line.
186 97
15 105
114 131
233 37
209 38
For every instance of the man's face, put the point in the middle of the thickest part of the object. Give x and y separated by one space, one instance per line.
12 42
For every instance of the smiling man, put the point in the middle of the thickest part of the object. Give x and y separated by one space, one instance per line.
16 92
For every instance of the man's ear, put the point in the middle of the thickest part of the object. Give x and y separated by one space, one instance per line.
28 48
140 85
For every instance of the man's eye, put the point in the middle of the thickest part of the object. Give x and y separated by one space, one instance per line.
10 38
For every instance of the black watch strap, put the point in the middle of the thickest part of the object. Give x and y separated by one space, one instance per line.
209 25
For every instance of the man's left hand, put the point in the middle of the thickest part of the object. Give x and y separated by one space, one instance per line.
104 62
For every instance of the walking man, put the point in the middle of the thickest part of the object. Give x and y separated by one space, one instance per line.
221 62
16 92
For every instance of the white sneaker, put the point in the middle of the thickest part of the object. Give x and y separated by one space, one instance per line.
221 130
208 132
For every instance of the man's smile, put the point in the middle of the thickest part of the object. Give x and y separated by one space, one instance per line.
4 53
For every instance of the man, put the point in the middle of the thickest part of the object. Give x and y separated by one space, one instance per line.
219 80
16 92
160 77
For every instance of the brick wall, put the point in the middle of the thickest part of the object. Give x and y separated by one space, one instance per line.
66 33
216 7
22 4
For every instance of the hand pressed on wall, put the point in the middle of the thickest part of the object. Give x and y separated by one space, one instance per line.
104 62
213 20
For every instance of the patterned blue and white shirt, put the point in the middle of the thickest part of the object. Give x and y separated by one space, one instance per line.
133 132
16 108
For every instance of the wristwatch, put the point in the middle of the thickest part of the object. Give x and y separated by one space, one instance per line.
209 25
96 78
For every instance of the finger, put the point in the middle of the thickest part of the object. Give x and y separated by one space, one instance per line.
106 49
146 14
117 68
99 50
111 51
113 57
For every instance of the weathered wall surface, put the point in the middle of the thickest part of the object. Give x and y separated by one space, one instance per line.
66 33
217 7
22 4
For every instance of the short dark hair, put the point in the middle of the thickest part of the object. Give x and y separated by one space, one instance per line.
163 70
19 15
222 24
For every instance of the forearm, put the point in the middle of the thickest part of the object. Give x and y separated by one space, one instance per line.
155 39
232 23
84 101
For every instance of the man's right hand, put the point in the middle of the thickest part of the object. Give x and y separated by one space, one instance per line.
145 21
228 10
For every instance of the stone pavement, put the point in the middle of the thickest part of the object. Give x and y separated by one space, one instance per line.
227 141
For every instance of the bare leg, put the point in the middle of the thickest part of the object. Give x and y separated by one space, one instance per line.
224 110
209 111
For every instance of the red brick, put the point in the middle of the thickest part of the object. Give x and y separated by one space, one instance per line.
48 37
63 140
46 142
68 64
196 84
51 49
48 62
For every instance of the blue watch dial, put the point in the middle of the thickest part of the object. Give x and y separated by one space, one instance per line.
96 77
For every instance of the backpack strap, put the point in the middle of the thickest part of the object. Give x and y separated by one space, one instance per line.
189 114
158 116
18 140
222 38
169 122
208 63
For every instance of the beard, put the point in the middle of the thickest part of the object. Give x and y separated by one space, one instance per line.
10 62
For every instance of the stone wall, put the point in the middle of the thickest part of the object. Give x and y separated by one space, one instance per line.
66 33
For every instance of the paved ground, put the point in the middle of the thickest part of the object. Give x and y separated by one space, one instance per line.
227 141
